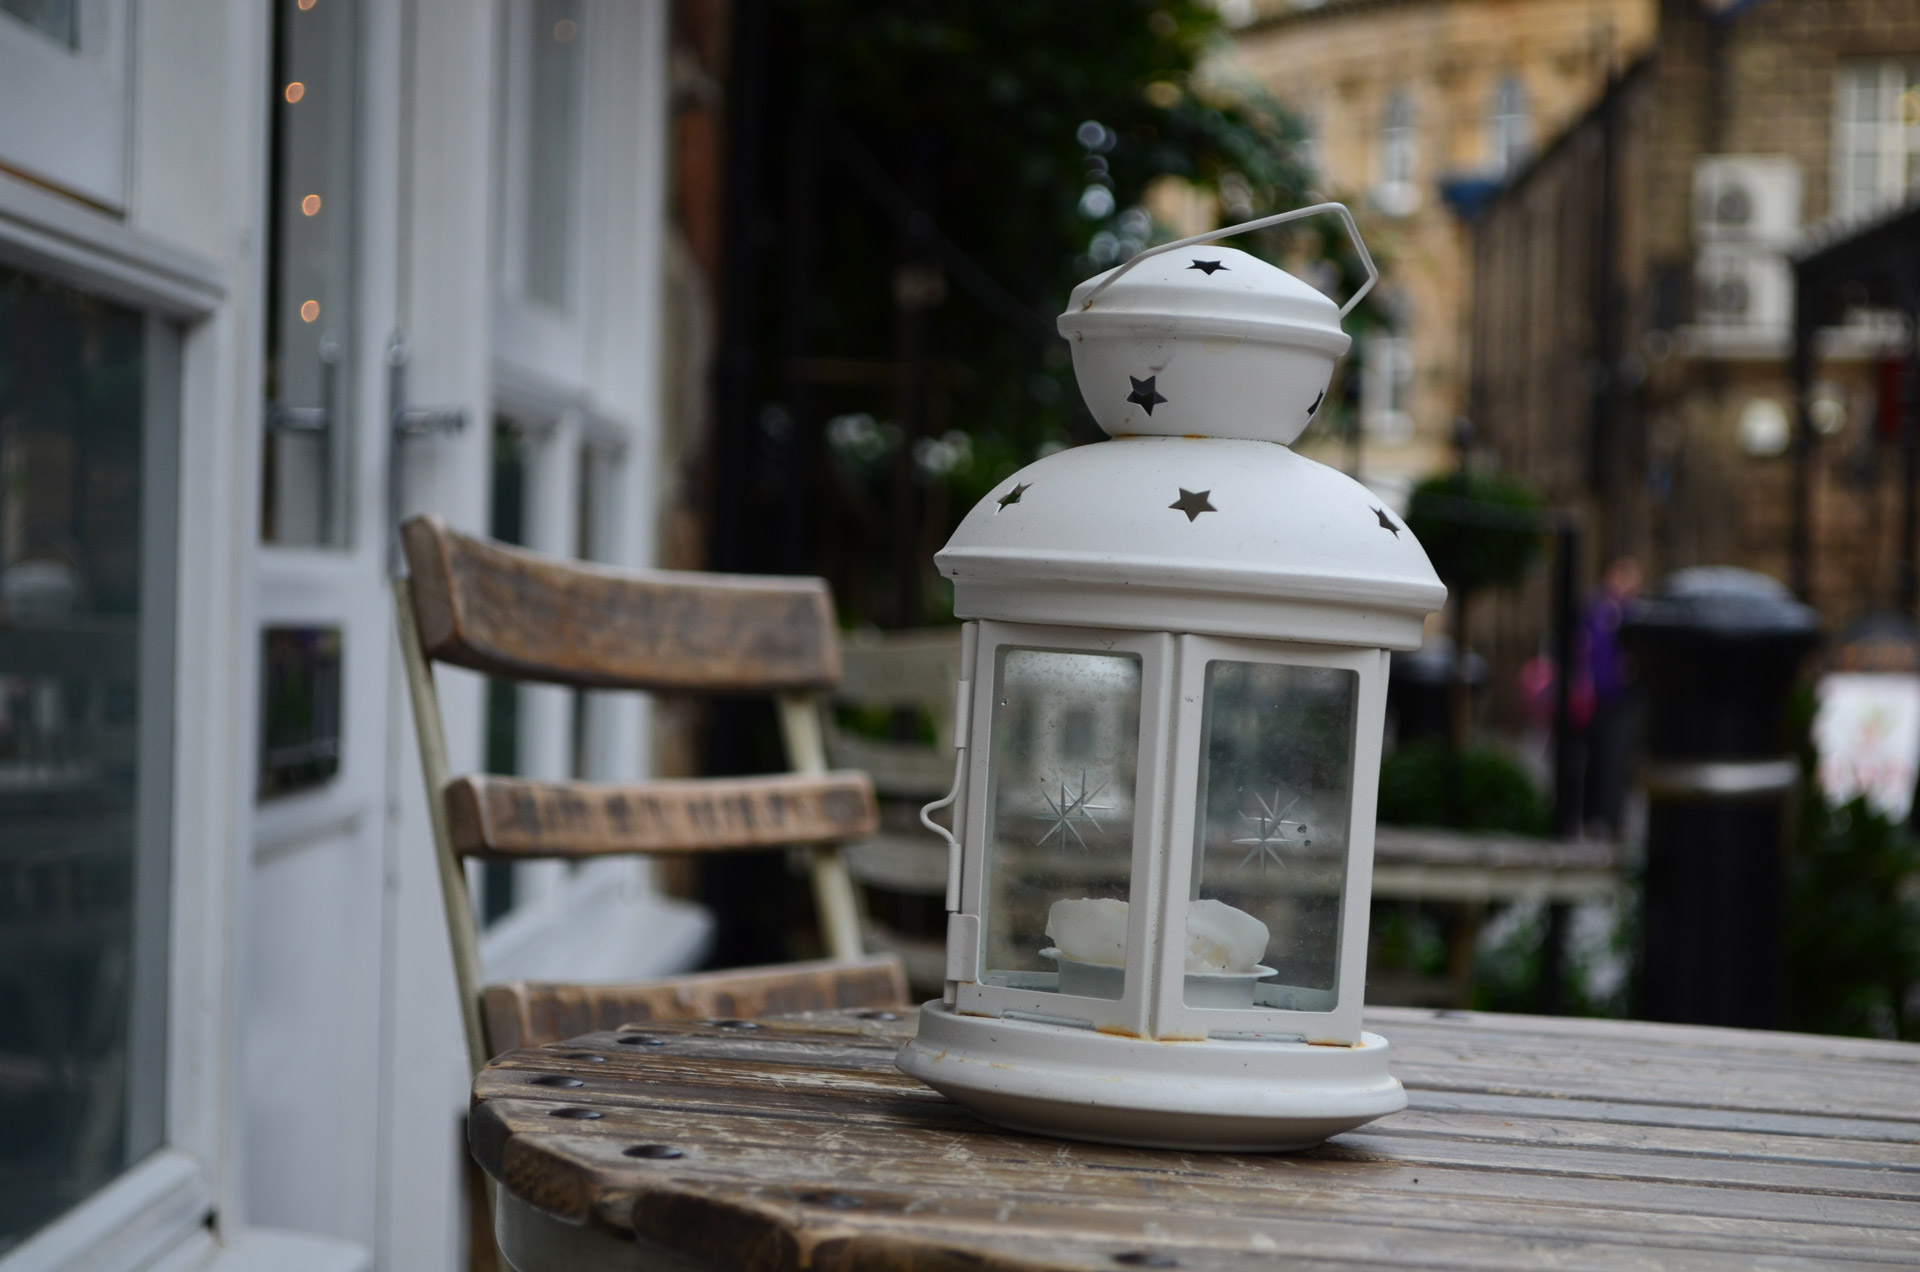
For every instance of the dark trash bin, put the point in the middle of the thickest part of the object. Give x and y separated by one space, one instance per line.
1418 688
1718 651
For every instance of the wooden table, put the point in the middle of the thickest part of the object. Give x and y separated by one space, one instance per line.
1529 1142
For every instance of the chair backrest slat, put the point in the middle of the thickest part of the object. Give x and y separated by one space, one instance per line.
524 1014
511 818
522 616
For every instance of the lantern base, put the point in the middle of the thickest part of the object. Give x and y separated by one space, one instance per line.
1230 1096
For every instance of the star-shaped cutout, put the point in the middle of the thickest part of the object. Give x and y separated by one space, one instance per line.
1193 503
1206 267
1385 523
1013 496
1144 394
1316 403
1270 830
1063 813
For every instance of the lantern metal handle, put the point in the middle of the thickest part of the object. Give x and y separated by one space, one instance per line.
1339 209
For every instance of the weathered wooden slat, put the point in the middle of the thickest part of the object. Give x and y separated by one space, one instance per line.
898 1131
955 1179
799 1145
768 1081
1679 1116
504 818
1584 1033
524 616
531 1014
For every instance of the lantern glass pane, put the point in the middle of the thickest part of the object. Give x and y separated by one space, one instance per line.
1065 744
1270 845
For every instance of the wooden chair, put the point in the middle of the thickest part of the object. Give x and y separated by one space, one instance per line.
517 615
903 869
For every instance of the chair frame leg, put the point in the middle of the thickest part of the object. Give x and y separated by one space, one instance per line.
833 895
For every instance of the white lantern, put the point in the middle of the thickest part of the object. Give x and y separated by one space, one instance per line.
1176 658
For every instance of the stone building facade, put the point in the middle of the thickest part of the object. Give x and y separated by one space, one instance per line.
1632 315
1418 110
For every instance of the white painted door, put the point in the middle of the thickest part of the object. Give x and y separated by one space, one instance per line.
464 223
315 911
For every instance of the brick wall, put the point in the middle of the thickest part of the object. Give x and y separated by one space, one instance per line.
1667 479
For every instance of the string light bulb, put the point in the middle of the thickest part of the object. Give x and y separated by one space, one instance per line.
309 310
295 91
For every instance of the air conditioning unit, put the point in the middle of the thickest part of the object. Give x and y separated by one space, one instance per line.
1746 199
1742 288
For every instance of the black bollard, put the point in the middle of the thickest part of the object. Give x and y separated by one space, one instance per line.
1718 651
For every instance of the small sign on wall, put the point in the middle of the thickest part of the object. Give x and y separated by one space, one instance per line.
300 709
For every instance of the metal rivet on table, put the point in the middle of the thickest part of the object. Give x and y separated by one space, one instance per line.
1147 1259
641 1040
832 1200
555 1080
579 1115
588 1056
655 1152
733 1024
878 1015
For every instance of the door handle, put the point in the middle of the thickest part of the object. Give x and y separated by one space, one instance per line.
318 421
407 423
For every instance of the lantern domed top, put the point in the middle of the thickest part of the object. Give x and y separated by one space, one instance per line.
1211 535
1191 339
1212 290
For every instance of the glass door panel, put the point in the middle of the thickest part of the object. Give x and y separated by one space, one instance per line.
1270 841
310 274
83 677
1065 751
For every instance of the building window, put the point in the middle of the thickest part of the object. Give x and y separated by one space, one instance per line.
1396 194
1386 377
1509 127
540 121
86 543
58 20
1876 136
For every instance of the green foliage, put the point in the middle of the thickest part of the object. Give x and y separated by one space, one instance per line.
1029 135
1425 784
1479 529
1406 936
1511 960
1853 923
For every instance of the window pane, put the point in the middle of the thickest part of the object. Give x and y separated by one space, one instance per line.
552 144
1066 736
1275 795
507 523
56 19
82 843
309 273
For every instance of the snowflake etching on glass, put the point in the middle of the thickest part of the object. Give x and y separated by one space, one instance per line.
1270 830
1069 812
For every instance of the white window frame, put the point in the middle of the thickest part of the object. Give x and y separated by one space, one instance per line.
162 1206
553 339
1509 125
1892 87
1386 383
64 112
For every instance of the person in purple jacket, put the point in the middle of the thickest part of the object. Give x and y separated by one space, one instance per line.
1602 670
